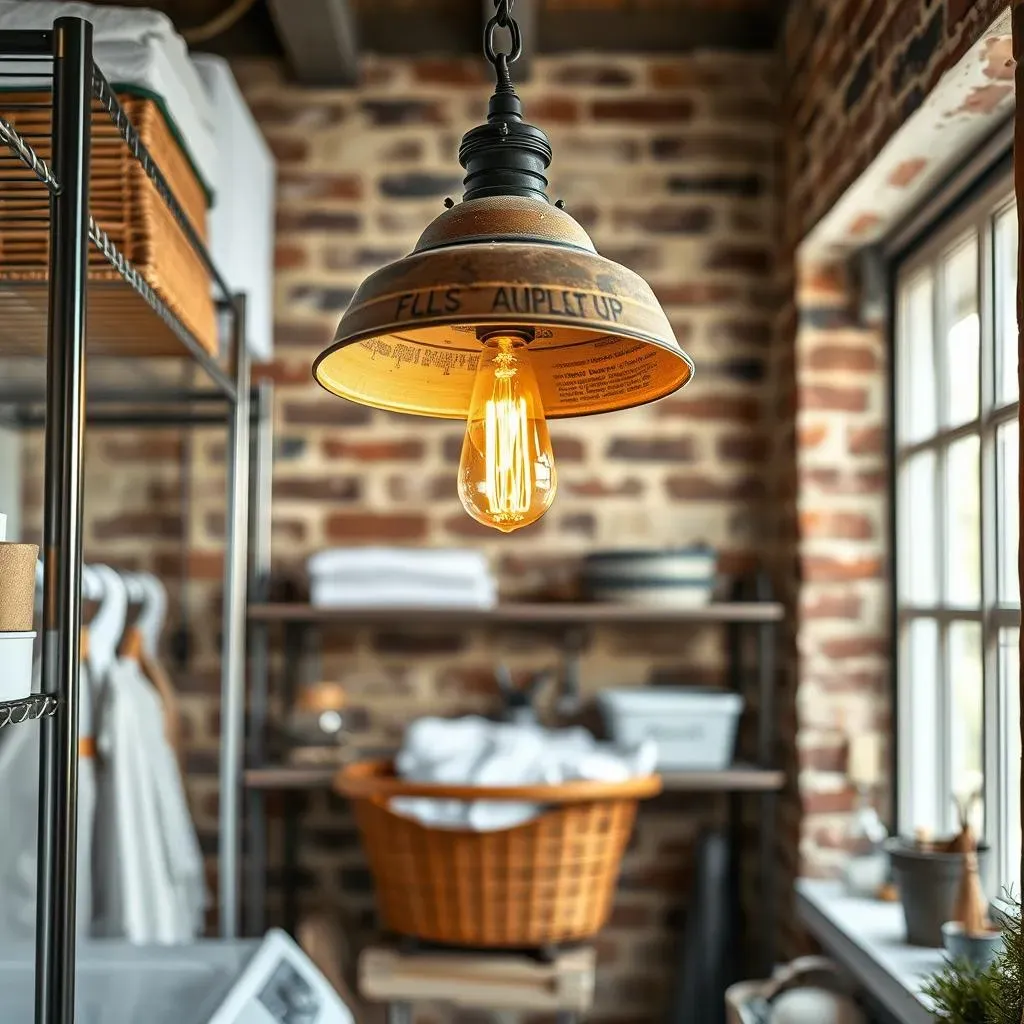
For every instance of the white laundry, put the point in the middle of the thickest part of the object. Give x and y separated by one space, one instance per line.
19 810
474 751
397 577
148 871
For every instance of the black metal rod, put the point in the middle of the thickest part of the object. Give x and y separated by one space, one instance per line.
233 662
62 529
767 755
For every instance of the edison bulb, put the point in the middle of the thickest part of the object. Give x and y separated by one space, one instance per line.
507 471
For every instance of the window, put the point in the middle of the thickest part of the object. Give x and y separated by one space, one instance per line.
957 593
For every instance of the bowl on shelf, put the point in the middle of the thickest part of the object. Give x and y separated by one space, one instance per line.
979 950
683 578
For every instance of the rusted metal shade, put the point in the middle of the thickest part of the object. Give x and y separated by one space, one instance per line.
408 341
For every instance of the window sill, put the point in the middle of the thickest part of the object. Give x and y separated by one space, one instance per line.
867 939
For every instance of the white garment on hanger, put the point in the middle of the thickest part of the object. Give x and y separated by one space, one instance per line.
19 811
149 870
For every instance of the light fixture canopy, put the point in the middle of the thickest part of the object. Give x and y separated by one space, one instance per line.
504 258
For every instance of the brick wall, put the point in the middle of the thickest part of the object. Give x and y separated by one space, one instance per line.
671 164
853 72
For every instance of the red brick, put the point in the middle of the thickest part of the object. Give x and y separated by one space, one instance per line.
866 440
748 259
305 185
407 449
837 525
835 481
667 220
288 150
596 487
833 802
833 398
143 447
823 569
600 73
367 526
729 408
205 565
301 335
554 110
700 487
696 293
331 412
449 72
149 526
742 448
288 257
685 74
823 759
639 111
853 358
834 605
652 449
281 372
329 487
843 648
811 435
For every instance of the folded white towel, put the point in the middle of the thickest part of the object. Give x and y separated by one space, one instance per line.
476 752
400 562
331 593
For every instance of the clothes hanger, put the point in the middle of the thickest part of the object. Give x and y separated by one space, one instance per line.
107 626
153 613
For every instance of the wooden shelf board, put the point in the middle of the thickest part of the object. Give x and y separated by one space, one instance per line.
553 614
741 778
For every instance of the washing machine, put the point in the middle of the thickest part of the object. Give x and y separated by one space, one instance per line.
258 981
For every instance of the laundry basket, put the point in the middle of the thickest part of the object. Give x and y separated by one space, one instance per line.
548 881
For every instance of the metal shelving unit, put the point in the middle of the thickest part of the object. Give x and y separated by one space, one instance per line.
751 619
44 335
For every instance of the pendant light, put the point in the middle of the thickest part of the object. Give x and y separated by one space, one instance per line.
504 316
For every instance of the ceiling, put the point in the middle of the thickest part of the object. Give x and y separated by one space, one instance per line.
323 38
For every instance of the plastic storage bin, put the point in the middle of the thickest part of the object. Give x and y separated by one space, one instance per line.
695 729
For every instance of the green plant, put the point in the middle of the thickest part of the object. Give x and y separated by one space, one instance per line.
961 994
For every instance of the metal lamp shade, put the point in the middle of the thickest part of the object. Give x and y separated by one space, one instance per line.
409 340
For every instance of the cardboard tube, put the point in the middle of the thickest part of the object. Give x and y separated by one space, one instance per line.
17 586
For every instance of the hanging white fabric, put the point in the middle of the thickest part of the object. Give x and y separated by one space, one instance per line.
149 871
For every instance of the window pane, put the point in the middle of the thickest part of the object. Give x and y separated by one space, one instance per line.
962 328
1009 679
966 713
963 522
1006 305
921 806
917 404
918 569
1007 517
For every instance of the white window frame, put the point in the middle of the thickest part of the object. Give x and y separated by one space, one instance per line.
923 710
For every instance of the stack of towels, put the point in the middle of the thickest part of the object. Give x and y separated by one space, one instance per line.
476 752
400 577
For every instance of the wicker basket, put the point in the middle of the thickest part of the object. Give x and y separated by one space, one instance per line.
126 204
549 881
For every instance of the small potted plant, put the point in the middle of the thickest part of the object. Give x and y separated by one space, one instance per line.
970 936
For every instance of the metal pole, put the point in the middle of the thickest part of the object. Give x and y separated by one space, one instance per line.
261 488
767 727
62 528
233 657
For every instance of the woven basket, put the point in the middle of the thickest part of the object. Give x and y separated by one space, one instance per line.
549 881
126 204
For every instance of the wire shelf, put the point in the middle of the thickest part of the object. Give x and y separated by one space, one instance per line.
29 709
23 150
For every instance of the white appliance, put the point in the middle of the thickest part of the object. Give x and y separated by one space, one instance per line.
268 981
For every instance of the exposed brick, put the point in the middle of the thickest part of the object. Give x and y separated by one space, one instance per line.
833 398
842 605
744 258
360 257
596 487
851 358
851 647
554 110
826 569
367 526
289 257
582 524
144 447
829 802
837 525
449 72
300 116
746 186
811 435
742 332
430 641
823 759
699 487
593 148
642 111
652 449
282 372
866 440
295 185
318 220
829 480
742 448
332 412
693 145
299 335
288 150
419 185
405 449
684 74
598 73
330 488
389 113
669 220
730 408
149 526
696 293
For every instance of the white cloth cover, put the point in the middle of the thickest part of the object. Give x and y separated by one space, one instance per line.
242 219
475 751
19 810
149 871
135 47
401 577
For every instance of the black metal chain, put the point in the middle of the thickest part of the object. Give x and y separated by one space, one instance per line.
502 18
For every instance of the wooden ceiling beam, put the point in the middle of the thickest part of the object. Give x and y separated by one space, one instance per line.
319 40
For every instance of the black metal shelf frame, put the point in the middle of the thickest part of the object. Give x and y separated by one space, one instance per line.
64 55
